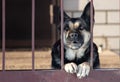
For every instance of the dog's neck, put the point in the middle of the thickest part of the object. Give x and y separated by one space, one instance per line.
71 54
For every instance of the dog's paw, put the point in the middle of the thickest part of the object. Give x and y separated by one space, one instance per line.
70 67
83 70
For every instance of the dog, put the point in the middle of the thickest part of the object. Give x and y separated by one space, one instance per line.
76 40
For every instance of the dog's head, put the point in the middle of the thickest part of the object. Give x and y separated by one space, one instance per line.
77 30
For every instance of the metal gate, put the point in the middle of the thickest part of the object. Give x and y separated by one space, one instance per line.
96 75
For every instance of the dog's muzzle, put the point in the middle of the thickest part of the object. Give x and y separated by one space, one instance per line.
74 40
74 37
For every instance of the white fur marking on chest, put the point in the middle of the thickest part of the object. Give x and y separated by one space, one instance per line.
72 54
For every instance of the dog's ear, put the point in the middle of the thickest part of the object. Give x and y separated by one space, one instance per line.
57 15
86 15
66 17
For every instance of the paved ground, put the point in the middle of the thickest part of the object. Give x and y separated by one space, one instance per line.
18 60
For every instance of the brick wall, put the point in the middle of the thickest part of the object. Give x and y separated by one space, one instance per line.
107 20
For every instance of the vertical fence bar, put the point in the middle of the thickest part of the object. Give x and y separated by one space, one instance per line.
62 46
3 35
33 34
119 29
91 30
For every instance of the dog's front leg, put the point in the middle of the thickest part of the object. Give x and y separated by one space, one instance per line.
70 68
83 70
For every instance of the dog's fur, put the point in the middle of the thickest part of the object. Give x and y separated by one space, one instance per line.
76 38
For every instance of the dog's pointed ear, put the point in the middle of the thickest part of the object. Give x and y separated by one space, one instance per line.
66 17
86 15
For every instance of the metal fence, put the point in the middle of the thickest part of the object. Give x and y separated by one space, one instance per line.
33 34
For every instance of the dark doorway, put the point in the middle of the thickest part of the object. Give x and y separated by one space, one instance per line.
18 24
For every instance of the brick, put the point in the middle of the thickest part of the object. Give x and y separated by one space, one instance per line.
74 4
69 14
100 41
114 43
100 17
106 30
113 17
70 4
77 14
106 4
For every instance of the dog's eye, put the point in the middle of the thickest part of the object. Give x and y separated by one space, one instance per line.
66 28
81 27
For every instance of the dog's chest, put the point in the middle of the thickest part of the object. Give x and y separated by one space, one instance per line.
73 54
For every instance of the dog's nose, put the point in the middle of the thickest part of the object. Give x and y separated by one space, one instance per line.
73 35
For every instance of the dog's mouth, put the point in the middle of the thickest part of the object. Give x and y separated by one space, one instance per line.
74 44
73 40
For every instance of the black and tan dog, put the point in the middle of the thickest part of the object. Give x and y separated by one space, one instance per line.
77 38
